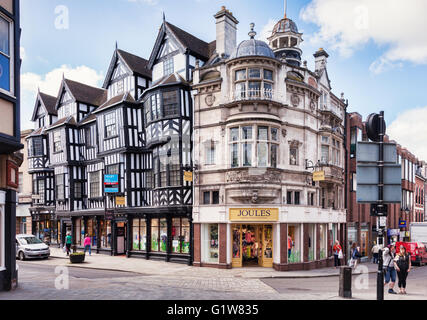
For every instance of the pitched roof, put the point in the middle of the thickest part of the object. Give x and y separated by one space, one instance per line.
137 64
169 79
86 94
60 122
124 97
189 41
91 117
49 102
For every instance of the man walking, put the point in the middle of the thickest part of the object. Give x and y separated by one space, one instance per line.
375 251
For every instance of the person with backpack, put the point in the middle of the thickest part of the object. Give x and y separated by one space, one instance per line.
402 263
337 249
389 254
355 255
68 241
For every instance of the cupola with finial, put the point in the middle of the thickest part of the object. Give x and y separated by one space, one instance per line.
285 40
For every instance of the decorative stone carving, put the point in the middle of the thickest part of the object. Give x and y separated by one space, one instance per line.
255 196
243 175
312 106
295 100
284 133
210 99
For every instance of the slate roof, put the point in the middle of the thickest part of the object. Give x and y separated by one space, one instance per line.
60 122
137 64
49 102
189 41
124 97
86 94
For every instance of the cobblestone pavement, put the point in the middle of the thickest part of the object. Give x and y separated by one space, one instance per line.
37 282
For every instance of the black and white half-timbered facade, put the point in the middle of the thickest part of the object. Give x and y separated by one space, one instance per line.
44 223
138 126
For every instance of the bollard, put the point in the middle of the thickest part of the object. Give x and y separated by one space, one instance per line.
345 282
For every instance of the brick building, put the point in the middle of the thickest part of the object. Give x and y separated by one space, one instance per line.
361 227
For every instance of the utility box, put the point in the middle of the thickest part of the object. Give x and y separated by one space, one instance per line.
345 282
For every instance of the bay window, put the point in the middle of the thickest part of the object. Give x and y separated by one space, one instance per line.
110 125
248 149
5 54
94 184
253 83
59 186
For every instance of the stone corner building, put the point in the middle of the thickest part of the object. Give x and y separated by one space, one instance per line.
260 118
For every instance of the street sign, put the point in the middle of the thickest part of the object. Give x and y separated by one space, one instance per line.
379 212
369 194
402 223
370 152
368 174
111 183
319 176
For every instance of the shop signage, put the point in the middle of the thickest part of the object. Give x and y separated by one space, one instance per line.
393 232
111 183
36 197
188 176
120 201
109 215
254 214
319 176
402 223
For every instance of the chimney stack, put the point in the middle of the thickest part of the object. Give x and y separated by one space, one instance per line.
321 59
226 32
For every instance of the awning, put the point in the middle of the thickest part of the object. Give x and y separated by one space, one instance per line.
23 210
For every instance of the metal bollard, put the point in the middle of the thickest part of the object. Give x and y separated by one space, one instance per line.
345 282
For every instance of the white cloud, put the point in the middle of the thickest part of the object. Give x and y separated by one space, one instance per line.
267 30
49 83
349 25
410 131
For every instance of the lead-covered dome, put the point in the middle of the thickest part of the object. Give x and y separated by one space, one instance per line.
285 25
252 47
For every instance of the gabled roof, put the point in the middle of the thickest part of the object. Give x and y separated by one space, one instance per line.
199 48
82 93
173 78
67 120
124 97
91 117
48 102
136 64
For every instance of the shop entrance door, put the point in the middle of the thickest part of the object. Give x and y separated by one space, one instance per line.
121 238
252 246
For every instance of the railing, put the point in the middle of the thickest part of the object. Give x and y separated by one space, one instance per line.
254 94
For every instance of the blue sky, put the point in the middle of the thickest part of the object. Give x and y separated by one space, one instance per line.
397 87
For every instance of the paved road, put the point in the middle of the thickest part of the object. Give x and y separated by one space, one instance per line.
39 281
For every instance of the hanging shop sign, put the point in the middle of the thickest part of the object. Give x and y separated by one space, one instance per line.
254 214
109 215
111 183
319 176
402 223
120 201
188 176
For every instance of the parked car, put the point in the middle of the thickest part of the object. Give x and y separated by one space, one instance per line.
417 251
30 247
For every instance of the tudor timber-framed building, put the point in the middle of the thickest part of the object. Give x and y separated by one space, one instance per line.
261 117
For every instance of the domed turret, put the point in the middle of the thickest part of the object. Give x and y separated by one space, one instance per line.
285 41
252 47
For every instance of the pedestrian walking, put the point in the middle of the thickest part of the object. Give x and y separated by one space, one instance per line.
375 251
355 255
389 270
87 244
68 241
338 255
402 263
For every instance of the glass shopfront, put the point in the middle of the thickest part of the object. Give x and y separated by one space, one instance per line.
105 233
210 249
139 235
323 229
294 243
180 235
159 235
311 242
252 245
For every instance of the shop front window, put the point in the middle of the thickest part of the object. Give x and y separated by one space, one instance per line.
294 243
105 235
139 235
180 235
236 242
155 235
311 242
163 235
323 241
210 243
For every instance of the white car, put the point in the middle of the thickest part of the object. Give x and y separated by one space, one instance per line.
30 247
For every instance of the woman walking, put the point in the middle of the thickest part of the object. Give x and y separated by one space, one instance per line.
402 263
87 244
337 253
390 272
355 255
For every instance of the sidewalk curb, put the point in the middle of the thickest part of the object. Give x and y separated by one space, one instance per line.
260 278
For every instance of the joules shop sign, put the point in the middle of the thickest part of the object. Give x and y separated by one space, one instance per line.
254 214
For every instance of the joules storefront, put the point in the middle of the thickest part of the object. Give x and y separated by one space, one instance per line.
264 237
